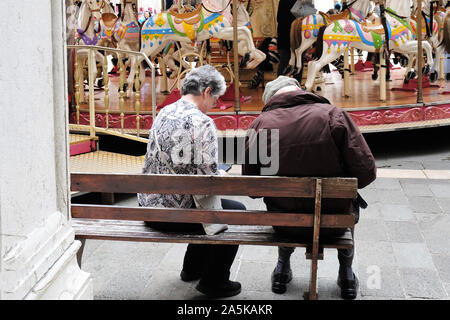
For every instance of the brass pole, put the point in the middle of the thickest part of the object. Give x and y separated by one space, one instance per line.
419 52
91 66
237 102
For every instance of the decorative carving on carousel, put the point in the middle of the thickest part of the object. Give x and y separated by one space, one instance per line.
367 118
401 115
225 122
437 112
245 121
114 120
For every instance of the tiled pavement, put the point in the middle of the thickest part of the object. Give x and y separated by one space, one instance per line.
402 251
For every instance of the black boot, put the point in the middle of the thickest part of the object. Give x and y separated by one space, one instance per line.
347 280
282 274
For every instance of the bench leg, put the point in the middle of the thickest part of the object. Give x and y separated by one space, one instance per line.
80 251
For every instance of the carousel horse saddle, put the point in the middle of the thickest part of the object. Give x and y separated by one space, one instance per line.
109 19
335 17
191 17
376 27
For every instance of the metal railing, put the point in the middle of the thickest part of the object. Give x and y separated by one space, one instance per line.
92 52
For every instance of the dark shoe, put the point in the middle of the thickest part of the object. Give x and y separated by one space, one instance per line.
349 287
280 280
227 289
188 276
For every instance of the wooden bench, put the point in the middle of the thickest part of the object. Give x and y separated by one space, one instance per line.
247 227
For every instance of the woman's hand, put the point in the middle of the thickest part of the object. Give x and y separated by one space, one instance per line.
223 172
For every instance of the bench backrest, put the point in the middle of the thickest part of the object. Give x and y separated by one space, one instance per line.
315 188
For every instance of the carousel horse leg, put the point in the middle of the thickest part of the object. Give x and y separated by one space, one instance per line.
315 66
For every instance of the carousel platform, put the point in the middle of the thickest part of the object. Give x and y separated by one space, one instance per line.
399 112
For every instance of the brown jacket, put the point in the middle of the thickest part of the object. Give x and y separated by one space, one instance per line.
316 139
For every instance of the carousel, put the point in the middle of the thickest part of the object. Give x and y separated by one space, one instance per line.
366 57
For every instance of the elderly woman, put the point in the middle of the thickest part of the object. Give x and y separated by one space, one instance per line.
183 140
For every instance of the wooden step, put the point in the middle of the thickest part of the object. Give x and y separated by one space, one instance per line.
80 143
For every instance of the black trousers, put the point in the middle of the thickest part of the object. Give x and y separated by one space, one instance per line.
213 262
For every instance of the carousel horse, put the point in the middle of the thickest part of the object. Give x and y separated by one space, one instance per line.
211 18
172 59
304 31
88 28
342 34
434 35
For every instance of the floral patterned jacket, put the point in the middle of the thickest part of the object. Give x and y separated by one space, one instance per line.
189 139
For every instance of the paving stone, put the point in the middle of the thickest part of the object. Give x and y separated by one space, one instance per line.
371 229
412 255
422 283
436 165
447 289
424 204
387 183
165 285
369 195
89 248
386 196
416 189
257 281
403 231
444 204
442 264
329 266
380 282
173 259
398 164
395 212
373 211
441 190
127 284
260 253
379 253
435 232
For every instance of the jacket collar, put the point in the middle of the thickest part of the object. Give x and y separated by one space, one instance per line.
293 99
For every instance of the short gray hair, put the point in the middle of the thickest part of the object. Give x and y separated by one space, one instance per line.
198 79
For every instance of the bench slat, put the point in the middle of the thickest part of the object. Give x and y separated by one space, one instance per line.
137 231
209 216
213 185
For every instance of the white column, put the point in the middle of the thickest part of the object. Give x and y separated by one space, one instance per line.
37 246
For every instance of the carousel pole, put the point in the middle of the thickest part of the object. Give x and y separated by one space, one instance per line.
384 59
237 102
91 66
419 53
346 73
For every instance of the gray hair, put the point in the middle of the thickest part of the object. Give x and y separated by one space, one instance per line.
273 86
198 79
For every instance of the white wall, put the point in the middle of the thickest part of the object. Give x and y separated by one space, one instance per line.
37 247
324 5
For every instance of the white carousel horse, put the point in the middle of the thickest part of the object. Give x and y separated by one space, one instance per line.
210 19
345 33
437 31
88 27
304 31
186 47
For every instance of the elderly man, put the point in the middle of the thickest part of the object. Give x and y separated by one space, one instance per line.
315 139
183 140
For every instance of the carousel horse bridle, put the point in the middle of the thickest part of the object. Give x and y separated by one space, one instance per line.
92 11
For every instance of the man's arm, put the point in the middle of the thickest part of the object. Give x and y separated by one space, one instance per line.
357 159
